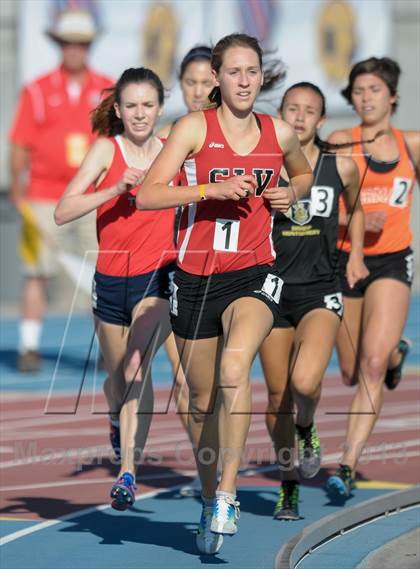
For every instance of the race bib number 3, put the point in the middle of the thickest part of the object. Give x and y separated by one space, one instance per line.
334 302
226 235
322 198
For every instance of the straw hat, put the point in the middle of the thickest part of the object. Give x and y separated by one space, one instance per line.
74 26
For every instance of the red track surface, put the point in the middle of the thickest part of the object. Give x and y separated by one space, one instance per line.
55 464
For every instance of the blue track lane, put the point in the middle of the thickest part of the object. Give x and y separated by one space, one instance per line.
65 373
158 533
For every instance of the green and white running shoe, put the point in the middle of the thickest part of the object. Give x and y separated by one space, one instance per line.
225 514
287 507
207 542
309 453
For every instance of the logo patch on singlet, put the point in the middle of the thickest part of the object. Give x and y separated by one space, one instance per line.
216 145
300 212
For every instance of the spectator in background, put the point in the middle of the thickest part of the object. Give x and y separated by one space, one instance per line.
49 139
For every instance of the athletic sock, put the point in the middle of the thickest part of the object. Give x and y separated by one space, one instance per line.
303 430
29 335
225 494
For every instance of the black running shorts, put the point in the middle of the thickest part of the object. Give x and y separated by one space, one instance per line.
198 302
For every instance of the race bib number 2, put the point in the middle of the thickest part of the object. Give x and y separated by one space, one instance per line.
400 192
226 235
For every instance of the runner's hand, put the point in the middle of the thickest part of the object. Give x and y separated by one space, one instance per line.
280 198
132 177
356 269
236 188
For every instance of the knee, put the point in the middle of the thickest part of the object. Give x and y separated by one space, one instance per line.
373 367
306 386
233 373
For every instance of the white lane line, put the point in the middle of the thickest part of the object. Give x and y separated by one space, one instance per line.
43 525
324 415
383 425
107 480
374 454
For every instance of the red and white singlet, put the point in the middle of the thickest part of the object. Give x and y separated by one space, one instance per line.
220 236
131 242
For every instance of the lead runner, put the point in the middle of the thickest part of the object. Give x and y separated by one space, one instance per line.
226 289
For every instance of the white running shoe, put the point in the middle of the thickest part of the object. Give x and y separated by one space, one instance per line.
207 542
225 514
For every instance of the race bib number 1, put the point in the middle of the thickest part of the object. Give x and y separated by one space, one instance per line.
226 235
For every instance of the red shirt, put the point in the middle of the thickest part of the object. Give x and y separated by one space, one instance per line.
220 236
56 129
390 192
131 242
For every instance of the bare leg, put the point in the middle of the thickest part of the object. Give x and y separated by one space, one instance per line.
385 312
246 323
312 361
348 339
181 386
148 331
113 341
34 300
275 354
200 360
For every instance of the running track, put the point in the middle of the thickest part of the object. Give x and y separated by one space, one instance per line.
59 464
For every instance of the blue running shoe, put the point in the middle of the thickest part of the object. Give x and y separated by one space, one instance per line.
115 439
340 485
123 492
225 514
394 376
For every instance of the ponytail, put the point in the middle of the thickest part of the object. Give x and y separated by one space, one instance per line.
104 119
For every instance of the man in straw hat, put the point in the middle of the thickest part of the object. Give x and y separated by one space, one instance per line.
49 138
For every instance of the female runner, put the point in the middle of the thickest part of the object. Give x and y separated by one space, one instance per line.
132 283
225 289
369 342
305 240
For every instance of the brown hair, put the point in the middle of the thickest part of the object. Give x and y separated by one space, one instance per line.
274 72
385 68
104 119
